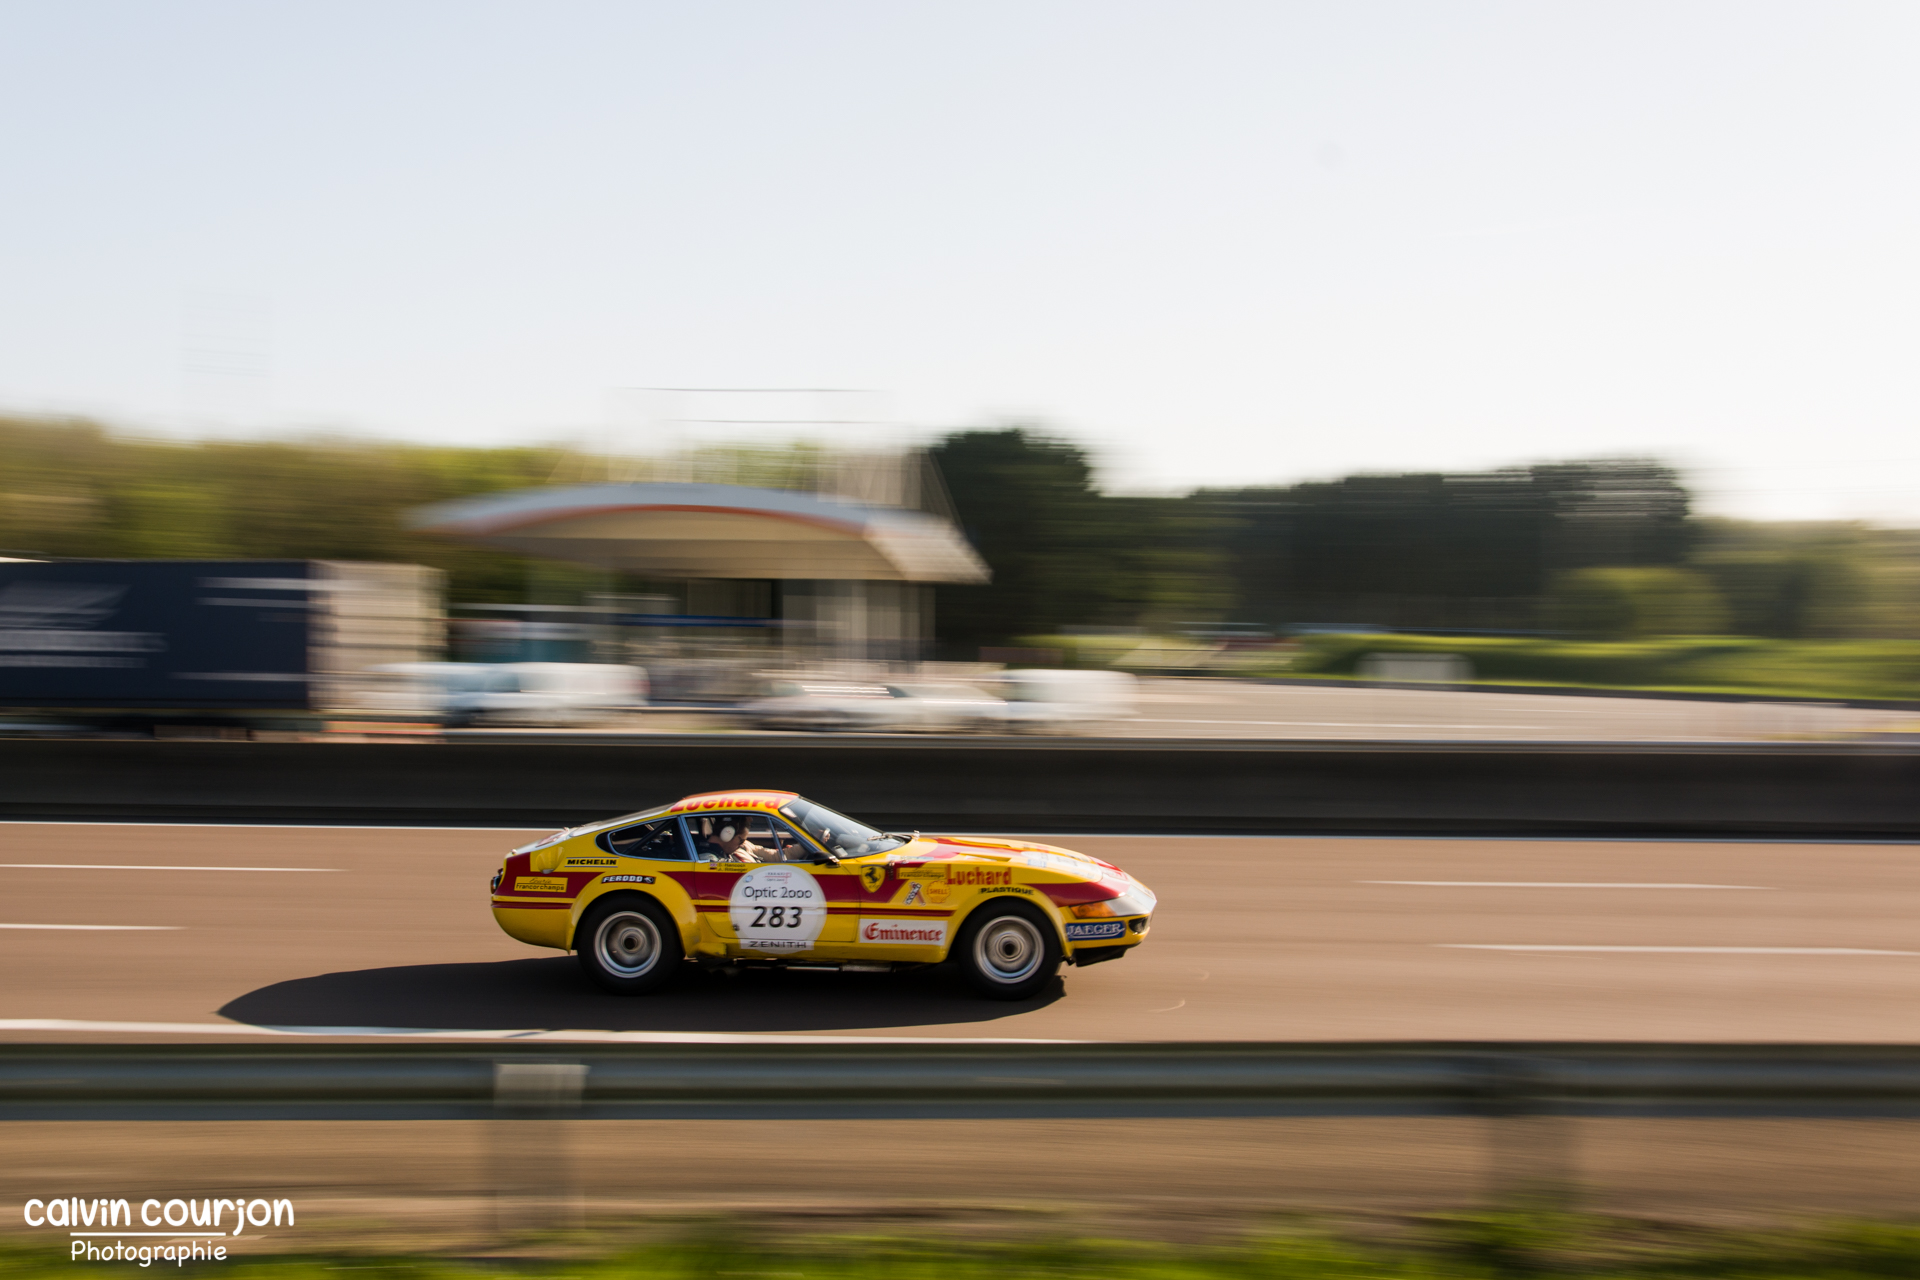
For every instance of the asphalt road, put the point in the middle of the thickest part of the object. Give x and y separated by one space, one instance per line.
1286 939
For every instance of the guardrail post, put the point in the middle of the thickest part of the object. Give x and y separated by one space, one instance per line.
1530 1156
533 1175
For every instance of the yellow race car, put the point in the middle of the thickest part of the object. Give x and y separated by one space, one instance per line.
769 878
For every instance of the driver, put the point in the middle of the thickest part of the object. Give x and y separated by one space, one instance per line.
731 842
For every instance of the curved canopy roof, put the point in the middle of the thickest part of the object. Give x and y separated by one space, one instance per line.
711 531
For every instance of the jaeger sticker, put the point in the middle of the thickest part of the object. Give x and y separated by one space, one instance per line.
777 908
1098 929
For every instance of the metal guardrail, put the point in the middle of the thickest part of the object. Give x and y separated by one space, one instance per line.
1813 790
412 1082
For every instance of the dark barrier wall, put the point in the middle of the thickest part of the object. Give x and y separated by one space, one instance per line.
1804 790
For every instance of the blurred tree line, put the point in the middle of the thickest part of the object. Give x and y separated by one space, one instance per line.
73 489
1605 548
1608 549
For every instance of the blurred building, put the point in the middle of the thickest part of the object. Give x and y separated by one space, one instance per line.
826 576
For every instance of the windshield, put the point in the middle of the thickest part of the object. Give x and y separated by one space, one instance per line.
838 834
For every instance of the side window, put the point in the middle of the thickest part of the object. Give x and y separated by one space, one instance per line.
779 841
717 837
660 840
746 837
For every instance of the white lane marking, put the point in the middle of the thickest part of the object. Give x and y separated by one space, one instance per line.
113 927
1562 884
1702 951
1333 724
425 1033
136 866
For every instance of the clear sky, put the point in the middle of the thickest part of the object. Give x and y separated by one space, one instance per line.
1221 242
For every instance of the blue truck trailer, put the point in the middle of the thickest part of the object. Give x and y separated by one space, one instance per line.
144 644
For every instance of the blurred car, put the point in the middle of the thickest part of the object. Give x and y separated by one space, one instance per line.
1041 700
768 878
522 693
890 708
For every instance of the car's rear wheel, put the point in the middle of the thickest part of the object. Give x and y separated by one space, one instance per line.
1008 950
628 945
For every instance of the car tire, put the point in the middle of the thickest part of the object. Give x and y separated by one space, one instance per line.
628 945
1008 949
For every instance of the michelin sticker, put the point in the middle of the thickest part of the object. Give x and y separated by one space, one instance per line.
1089 932
777 908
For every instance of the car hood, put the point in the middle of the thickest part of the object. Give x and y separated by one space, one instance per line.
983 849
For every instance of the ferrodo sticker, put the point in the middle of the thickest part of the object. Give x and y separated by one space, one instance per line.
177 1231
777 908
626 879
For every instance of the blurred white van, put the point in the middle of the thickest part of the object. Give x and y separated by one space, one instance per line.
524 693
1051 699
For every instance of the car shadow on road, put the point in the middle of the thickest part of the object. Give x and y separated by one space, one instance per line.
551 993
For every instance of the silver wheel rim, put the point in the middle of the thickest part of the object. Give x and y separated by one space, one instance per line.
627 944
1009 949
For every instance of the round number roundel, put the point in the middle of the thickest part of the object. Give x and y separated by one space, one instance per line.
777 908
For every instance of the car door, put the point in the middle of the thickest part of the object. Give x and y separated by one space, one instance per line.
787 901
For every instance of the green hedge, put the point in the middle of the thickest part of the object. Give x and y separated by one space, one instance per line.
1869 669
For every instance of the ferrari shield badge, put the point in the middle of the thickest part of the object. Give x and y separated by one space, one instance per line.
872 876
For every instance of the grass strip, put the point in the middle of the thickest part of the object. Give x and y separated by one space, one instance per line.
1466 1247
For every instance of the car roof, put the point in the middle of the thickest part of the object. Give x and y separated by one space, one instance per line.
709 801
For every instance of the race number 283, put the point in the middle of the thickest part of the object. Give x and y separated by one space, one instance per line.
777 907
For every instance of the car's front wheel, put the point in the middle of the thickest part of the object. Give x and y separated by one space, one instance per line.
1008 950
628 945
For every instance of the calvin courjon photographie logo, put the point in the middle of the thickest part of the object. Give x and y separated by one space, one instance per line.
176 1231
